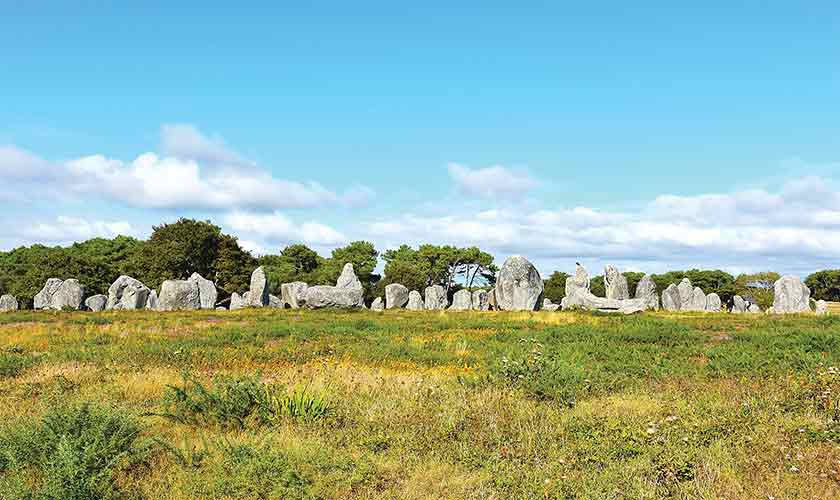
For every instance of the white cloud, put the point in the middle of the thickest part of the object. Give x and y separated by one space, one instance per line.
199 173
277 229
491 182
66 229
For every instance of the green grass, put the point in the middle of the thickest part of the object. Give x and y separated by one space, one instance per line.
356 404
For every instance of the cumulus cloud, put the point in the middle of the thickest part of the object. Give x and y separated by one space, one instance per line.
490 182
196 172
66 229
277 229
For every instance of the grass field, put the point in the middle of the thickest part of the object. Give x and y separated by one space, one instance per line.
316 404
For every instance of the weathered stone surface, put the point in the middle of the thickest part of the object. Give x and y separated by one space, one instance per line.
127 293
821 308
236 302
739 305
348 278
697 301
615 284
275 302
671 298
519 287
293 294
686 291
8 303
259 288
588 301
152 301
790 295
43 299
713 302
377 304
579 282
754 309
646 291
435 298
319 297
461 301
492 304
69 295
179 295
415 301
480 300
550 306
206 290
396 296
96 303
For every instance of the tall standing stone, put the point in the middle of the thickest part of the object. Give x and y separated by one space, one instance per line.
435 298
492 305
461 301
258 288
790 295
127 293
43 299
646 291
519 286
739 305
580 282
179 295
713 302
671 300
206 290
415 301
8 303
697 301
396 296
293 294
615 284
480 300
686 291
69 295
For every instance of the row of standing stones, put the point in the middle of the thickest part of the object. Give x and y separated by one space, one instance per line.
519 287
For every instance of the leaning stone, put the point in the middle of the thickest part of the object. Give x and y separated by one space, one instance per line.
790 295
396 296
480 300
275 302
207 291
461 301
259 288
43 299
519 287
127 293
671 298
179 295
8 303
713 302
96 303
293 294
739 305
415 301
377 304
822 308
435 298
615 284
236 302
646 291
69 295
686 291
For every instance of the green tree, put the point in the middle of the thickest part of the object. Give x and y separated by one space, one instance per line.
555 286
825 285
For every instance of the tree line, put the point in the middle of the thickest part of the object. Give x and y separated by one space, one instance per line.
176 250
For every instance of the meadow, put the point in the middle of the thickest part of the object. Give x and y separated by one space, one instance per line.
399 405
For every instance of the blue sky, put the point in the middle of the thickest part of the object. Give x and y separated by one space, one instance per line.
651 136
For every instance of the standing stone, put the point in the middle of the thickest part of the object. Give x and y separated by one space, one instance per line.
686 291
519 287
492 304
415 301
646 291
43 299
480 300
293 294
697 301
69 295
275 302
550 306
461 301
127 293
822 308
96 303
347 293
435 298
671 298
349 281
615 284
236 302
152 301
207 291
377 304
579 282
739 305
396 296
8 303
179 295
790 295
713 302
258 289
